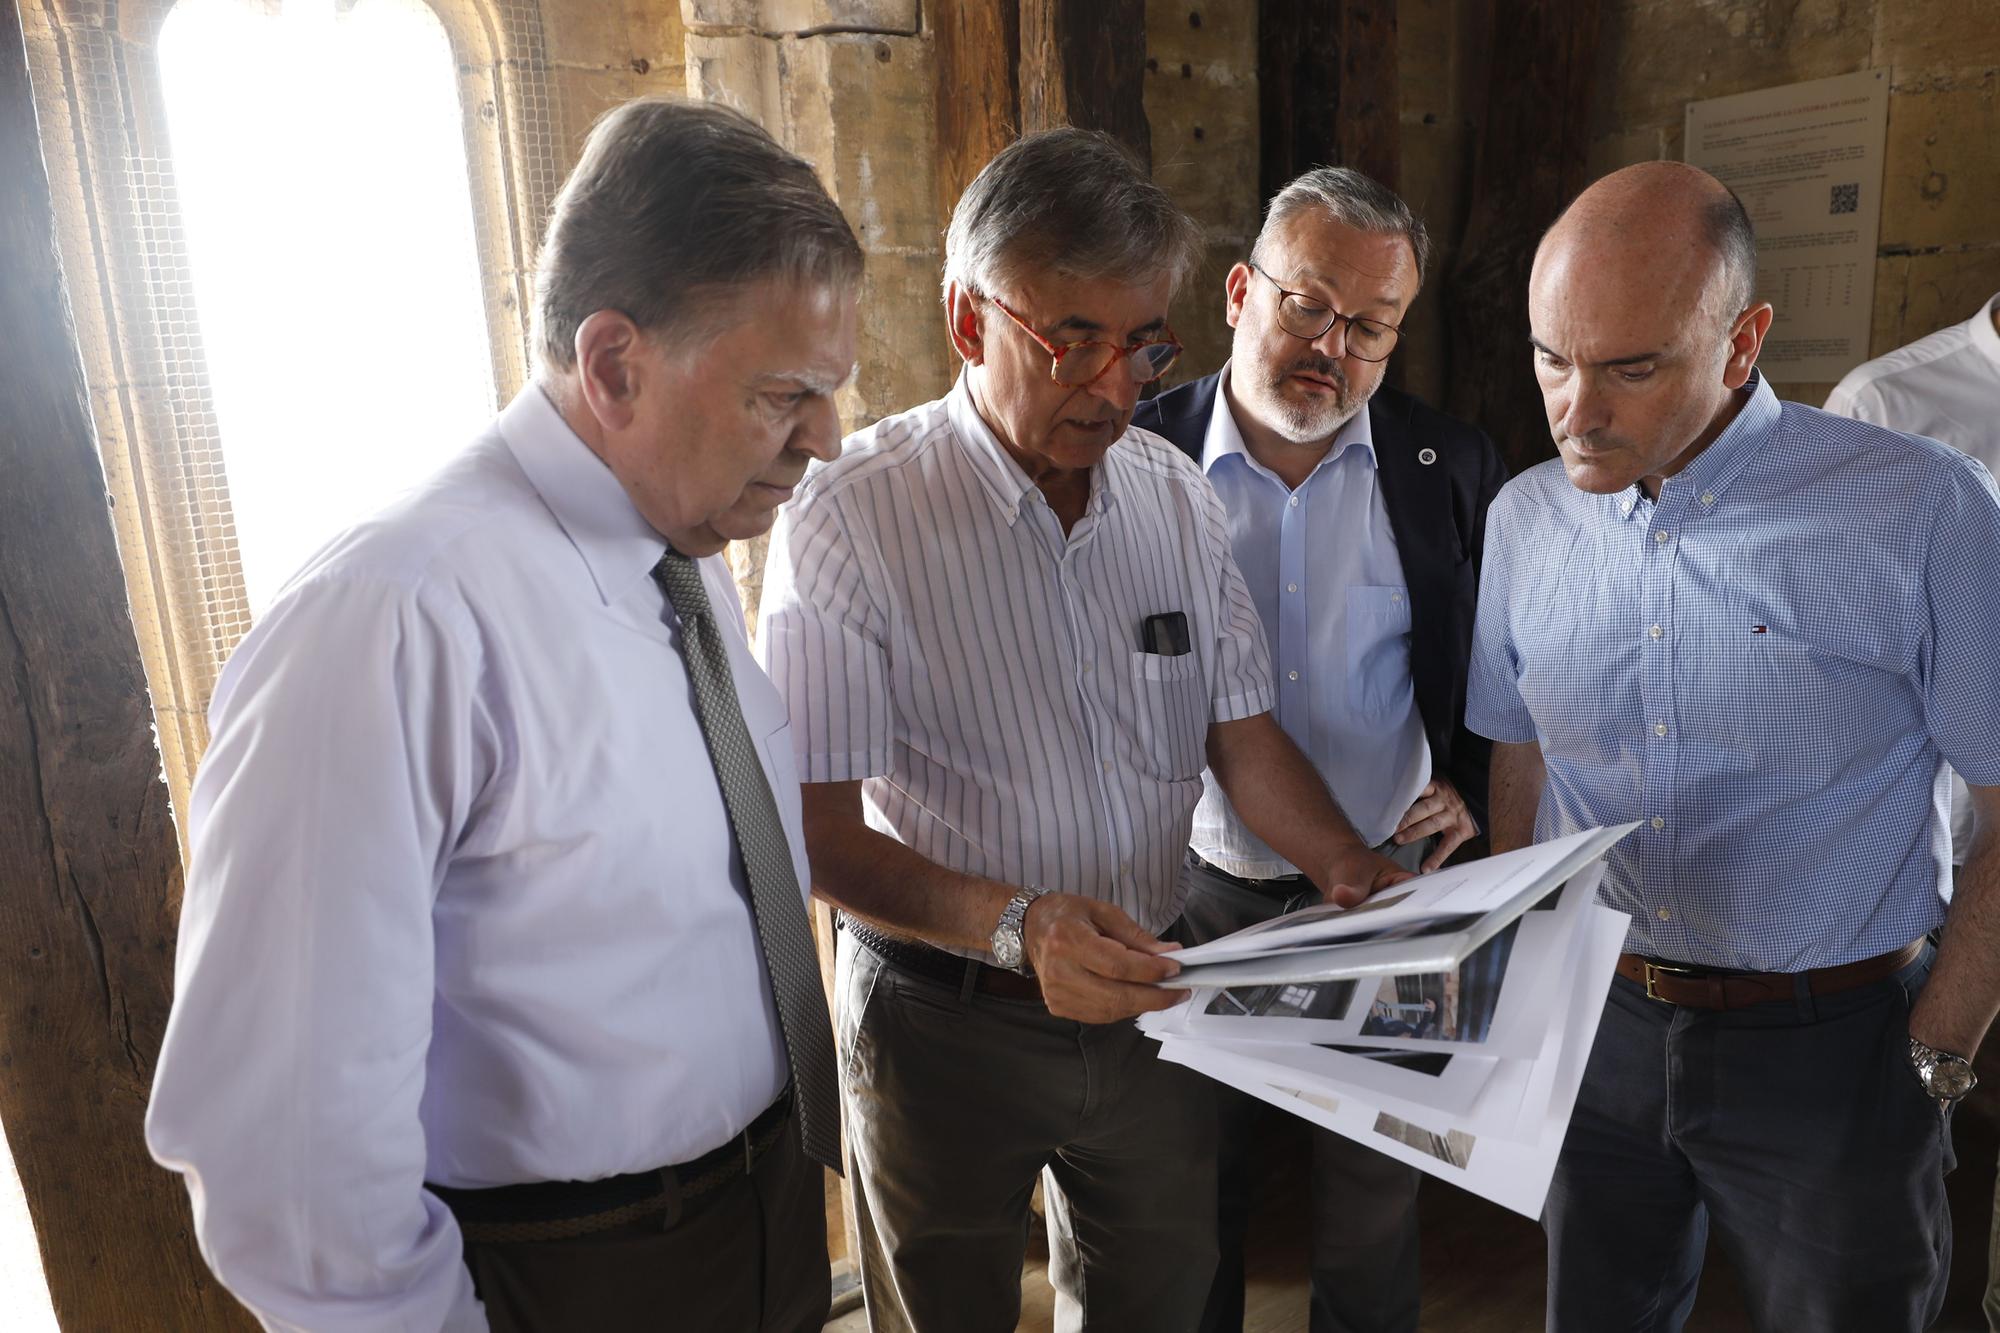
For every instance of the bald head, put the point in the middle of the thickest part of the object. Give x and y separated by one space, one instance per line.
1662 221
1643 324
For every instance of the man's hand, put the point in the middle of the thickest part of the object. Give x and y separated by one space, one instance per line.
1441 810
1095 963
1353 875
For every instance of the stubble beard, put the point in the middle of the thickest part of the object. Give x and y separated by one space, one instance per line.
1314 420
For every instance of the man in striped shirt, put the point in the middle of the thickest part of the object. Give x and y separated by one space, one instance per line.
1012 635
1761 631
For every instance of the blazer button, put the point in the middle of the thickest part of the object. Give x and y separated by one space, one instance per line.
1427 456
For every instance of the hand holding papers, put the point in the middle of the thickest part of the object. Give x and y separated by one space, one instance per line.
1445 1022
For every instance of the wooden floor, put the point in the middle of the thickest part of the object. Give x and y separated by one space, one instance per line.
1484 1266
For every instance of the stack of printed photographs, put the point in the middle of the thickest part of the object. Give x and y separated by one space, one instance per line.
1445 1022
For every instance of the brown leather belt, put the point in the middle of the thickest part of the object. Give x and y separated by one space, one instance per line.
1709 988
946 969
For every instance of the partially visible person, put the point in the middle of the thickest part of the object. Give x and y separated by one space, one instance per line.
1761 632
1946 386
496 1003
1356 514
1011 633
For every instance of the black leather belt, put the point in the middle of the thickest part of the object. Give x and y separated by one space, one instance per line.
1719 988
946 969
1280 888
566 1209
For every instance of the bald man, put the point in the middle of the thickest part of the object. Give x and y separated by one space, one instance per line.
1761 631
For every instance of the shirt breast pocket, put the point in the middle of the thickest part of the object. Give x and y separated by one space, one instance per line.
1172 719
1378 646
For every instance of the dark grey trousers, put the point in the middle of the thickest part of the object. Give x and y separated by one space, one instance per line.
956 1104
1795 1131
1364 1204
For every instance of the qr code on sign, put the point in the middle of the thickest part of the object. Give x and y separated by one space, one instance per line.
1846 199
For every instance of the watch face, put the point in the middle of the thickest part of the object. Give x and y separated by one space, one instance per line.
1950 1078
1006 948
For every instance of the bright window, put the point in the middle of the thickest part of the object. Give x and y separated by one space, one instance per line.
319 152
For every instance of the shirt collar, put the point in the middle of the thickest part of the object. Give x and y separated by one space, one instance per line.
1984 336
1005 484
1703 481
616 543
1225 438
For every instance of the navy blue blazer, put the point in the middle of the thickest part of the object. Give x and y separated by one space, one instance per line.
1437 511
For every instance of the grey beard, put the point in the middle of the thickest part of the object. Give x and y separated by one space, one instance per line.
1305 423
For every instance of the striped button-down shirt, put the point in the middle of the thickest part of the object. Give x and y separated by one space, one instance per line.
937 634
1768 667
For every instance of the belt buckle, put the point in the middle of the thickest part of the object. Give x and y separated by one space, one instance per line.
1654 970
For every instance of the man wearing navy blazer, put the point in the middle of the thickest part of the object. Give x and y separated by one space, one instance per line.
1357 515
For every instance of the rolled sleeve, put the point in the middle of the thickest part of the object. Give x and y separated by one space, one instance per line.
820 638
1494 707
294 1062
1959 662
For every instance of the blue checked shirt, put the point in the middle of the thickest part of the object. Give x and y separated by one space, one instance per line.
1768 667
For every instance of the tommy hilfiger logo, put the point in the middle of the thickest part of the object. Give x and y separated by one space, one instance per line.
1760 629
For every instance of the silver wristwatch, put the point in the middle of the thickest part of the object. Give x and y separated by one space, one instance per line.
1945 1076
1009 945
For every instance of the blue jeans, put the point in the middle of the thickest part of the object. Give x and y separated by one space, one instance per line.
1795 1130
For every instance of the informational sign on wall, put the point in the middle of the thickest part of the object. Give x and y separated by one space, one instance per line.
1807 162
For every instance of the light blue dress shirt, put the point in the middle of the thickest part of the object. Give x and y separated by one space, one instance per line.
1769 667
1322 567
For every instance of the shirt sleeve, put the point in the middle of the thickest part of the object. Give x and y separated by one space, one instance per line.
341 770
1493 705
1958 664
1858 400
821 637
1242 686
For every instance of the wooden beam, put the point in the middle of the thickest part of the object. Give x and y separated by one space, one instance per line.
1083 63
87 852
1371 109
1543 57
1329 93
976 47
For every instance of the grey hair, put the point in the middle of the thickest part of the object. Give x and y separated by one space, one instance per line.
674 206
1727 225
1361 202
1070 201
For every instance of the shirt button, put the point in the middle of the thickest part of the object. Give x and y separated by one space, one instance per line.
1295 502
1656 631
1291 675
1086 668
1664 914
1291 587
1707 498
1659 728
1107 766
1659 822
1660 538
1396 597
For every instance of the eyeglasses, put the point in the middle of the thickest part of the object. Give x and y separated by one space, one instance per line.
1078 364
1303 317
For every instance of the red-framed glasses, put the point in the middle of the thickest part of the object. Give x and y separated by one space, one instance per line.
1075 365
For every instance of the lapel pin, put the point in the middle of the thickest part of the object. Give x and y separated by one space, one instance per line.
1427 456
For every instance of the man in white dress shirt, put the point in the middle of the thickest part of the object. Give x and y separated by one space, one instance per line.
1946 386
489 1010
1011 635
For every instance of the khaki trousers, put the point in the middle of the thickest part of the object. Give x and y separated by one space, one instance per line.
957 1103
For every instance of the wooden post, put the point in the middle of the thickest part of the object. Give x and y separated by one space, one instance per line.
88 860
1531 162
1328 89
1083 63
976 44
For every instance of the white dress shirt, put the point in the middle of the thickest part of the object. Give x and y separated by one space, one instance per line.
937 634
1946 386
1322 566
463 905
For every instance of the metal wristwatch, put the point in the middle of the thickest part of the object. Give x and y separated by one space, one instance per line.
1009 945
1945 1076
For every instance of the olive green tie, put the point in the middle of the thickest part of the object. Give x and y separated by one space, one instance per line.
782 926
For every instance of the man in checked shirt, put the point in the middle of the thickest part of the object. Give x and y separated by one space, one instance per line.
1762 631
